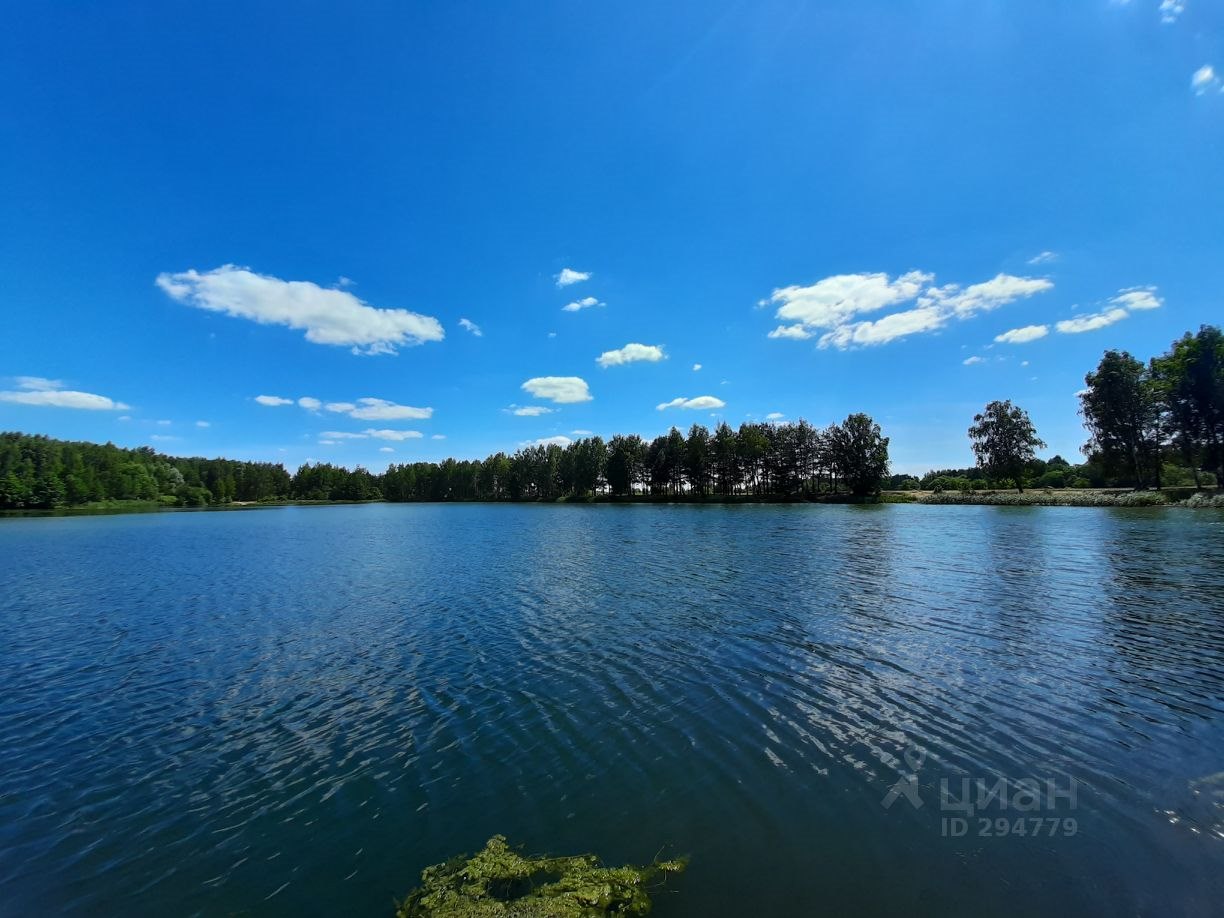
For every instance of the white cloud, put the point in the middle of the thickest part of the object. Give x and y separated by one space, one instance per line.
1091 322
165 423
395 435
583 433
1043 258
310 404
386 449
1204 79
584 303
696 367
125 417
163 438
342 435
340 407
438 437
472 327
774 416
699 403
38 383
631 353
798 332
1024 363
47 393
558 440
379 409
327 443
203 424
835 303
329 316
530 411
570 276
1141 298
273 401
1170 10
1023 335
563 390
973 361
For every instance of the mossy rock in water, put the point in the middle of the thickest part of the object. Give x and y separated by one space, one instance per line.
498 882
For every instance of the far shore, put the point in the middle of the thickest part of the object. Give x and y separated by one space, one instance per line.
1181 498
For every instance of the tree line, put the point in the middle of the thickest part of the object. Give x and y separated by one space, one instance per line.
1150 425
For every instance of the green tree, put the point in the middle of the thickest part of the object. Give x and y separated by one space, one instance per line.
1004 441
859 452
1121 410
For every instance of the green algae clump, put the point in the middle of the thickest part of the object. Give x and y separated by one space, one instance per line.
498 882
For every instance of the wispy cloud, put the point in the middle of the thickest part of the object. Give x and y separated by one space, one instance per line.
569 276
584 303
1140 298
40 392
973 361
328 315
273 401
563 390
1023 335
832 306
699 403
1205 80
364 409
1043 258
471 326
529 411
1171 10
1091 322
631 353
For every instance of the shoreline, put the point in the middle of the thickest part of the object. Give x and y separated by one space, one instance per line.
1117 498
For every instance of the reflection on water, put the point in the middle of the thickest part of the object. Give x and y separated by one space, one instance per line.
297 709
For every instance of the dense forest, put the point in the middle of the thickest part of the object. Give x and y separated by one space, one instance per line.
1158 424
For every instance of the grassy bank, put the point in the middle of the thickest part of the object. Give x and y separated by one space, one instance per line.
1171 497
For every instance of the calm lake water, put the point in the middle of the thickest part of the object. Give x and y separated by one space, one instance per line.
292 711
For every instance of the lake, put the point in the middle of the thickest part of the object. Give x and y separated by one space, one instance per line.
294 710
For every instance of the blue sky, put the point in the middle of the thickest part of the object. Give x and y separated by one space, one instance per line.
204 204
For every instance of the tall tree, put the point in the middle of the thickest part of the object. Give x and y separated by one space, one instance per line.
860 454
1004 441
1121 410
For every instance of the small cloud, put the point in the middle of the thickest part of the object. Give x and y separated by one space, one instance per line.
1023 335
1024 363
37 383
438 437
343 435
396 435
585 303
583 433
563 390
699 403
1140 298
1043 258
631 353
310 404
163 438
552 334
794 332
973 361
41 392
570 276
1170 10
1204 79
696 367
472 327
529 411
203 424
273 401
549 441
386 449
774 416
379 409
1091 322
164 423
126 417
343 281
